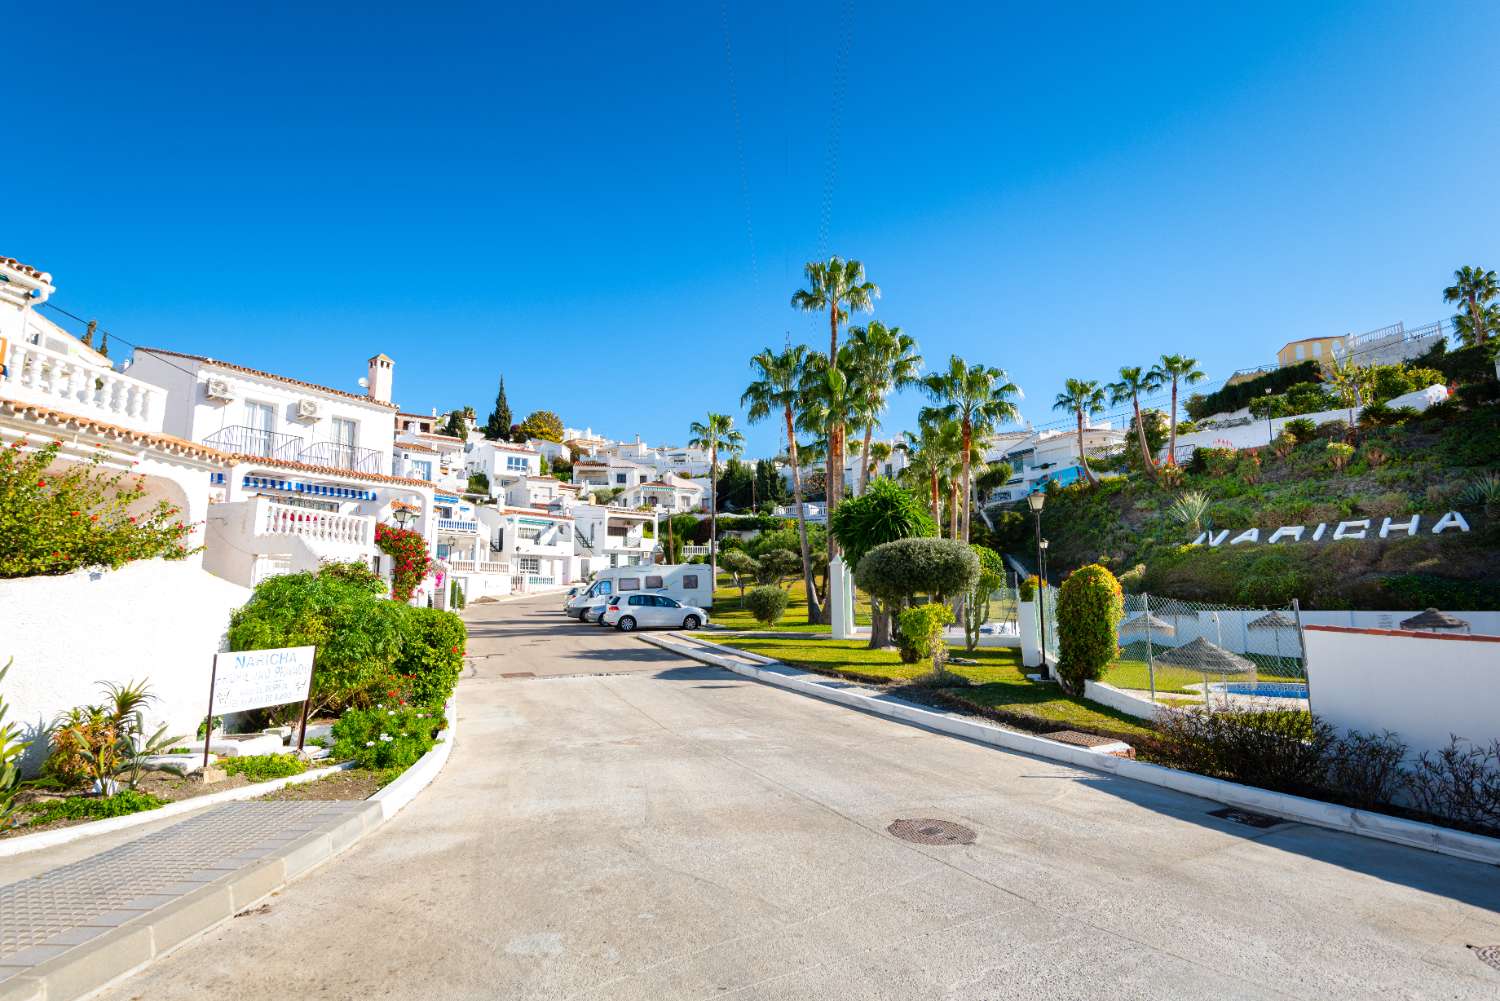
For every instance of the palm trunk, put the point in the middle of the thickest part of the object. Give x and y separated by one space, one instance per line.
814 609
713 521
1140 430
864 458
968 430
952 507
937 510
1172 427
835 489
1083 457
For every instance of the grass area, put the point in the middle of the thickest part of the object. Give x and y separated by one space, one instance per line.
1131 671
731 614
999 686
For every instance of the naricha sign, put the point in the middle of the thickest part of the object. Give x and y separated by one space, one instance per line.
1360 528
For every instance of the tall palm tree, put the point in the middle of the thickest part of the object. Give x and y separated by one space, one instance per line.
878 452
979 398
715 435
1350 381
778 386
829 405
885 361
926 463
1175 369
1083 397
840 287
1133 382
1473 288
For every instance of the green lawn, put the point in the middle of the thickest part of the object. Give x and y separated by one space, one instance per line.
729 613
999 684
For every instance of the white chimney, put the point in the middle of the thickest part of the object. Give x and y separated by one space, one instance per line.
382 373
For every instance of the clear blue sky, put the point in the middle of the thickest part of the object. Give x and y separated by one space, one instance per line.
566 195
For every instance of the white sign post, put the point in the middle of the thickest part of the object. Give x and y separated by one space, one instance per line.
254 679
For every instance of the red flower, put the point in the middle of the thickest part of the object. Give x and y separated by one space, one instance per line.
41 483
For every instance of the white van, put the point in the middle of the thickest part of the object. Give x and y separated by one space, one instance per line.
689 583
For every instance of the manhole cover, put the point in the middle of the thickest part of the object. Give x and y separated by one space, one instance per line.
1488 954
931 832
1246 817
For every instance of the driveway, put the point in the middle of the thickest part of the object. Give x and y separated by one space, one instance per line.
625 825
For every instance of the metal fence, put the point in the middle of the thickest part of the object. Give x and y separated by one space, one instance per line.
1220 655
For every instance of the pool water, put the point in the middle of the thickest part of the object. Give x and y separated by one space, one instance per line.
1265 689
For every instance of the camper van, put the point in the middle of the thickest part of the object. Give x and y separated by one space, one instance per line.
689 583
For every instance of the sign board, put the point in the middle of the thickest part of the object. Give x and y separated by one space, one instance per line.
254 679
1360 528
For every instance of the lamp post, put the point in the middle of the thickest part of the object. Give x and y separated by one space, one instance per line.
1036 499
1269 436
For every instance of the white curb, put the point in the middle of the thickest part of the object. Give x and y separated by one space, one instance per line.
420 775
1459 844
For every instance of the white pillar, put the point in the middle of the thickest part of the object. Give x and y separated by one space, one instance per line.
841 599
1031 646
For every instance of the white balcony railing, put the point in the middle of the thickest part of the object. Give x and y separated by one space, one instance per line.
458 525
49 378
484 566
326 526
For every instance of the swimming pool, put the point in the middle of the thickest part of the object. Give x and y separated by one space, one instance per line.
1265 689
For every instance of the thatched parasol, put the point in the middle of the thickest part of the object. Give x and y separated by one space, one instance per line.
1274 620
1201 655
1434 621
1138 622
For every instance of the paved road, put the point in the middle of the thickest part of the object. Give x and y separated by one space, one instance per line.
678 832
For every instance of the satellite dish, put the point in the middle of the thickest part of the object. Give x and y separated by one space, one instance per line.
364 383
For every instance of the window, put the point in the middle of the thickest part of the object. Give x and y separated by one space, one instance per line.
345 431
667 602
630 583
516 463
652 583
690 581
260 418
1317 349
419 469
1299 352
641 599
529 564
526 533
619 477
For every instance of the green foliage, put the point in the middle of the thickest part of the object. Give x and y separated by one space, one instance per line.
264 767
1484 491
1285 750
11 749
431 656
456 598
767 603
1028 588
896 571
977 607
497 428
1302 398
1232 398
742 566
543 424
919 633
775 566
358 635
1390 381
1300 429
104 740
407 549
1465 366
1190 510
884 513
751 522
385 735
122 803
1412 591
1339 454
59 517
354 574
479 483
786 537
1090 604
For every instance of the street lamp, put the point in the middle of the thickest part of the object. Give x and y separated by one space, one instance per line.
1269 436
403 516
1036 499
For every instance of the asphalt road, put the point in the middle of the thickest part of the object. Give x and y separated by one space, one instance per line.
629 825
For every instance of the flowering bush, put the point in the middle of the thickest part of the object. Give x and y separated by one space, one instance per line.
432 655
409 551
57 520
387 735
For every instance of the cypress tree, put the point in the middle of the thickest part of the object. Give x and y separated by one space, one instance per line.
497 428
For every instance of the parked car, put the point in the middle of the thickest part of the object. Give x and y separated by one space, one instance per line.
573 592
592 611
627 612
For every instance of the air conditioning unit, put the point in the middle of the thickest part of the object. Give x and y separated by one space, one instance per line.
307 410
218 389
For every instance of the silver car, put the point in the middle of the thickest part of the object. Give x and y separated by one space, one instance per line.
627 612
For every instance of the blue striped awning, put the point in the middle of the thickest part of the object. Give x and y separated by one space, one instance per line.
308 489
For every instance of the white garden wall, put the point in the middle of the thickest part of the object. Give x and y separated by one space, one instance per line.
1422 686
155 619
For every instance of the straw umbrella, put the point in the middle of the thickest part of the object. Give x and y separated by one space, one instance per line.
1207 657
1141 622
1434 621
1278 622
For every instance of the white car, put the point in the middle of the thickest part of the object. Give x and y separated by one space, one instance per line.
593 611
573 592
627 612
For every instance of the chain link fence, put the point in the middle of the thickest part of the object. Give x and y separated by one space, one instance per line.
1176 651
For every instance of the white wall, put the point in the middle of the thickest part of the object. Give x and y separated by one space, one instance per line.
157 619
1422 686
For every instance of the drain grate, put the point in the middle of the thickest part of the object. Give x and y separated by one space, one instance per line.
1246 817
1489 955
931 832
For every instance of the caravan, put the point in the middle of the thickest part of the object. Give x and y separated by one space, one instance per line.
689 583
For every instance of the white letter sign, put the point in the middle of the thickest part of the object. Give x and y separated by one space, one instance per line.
254 679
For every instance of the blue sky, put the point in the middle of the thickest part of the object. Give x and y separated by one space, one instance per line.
612 203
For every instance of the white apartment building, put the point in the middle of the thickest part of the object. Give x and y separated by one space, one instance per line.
669 495
535 545
502 462
1041 457
540 492
616 536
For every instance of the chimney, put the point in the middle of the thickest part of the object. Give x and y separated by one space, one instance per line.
382 372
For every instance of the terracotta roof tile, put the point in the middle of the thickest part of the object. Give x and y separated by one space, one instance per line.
264 375
539 512
60 418
329 470
26 269
416 446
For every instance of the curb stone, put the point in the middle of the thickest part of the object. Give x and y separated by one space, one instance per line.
1364 823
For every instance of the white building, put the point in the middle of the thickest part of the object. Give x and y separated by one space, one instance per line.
535 545
1038 458
502 463
618 536
671 494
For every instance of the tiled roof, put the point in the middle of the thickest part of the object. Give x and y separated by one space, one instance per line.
62 419
416 446
455 439
420 417
265 375
26 269
539 512
507 447
308 467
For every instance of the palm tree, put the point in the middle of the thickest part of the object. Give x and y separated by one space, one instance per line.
978 398
1474 288
1350 381
1133 382
926 463
829 405
1174 369
779 387
878 452
885 361
840 287
1083 397
717 434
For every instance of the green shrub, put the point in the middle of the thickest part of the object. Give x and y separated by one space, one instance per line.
1284 750
1302 429
1090 605
742 566
263 767
124 802
896 571
432 655
385 735
11 749
919 633
1027 589
355 574
775 566
767 603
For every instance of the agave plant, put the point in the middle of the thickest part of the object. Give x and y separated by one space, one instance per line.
1484 491
1191 509
11 748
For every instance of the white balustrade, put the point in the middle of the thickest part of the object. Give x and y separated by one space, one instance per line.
484 566
458 525
34 374
327 526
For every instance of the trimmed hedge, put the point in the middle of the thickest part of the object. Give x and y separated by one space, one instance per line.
767 603
919 633
432 655
896 571
1232 398
1090 604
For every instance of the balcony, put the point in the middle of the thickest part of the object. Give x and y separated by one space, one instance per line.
469 566
34 374
458 526
324 526
338 455
242 440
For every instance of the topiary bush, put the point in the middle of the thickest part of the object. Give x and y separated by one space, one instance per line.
919 633
1090 604
432 655
896 571
767 603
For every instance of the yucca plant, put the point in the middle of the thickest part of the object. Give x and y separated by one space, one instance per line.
1191 509
1484 491
104 741
11 748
